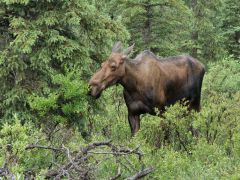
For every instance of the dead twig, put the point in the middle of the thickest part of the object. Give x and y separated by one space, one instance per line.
132 151
141 173
70 159
33 146
79 165
78 159
5 172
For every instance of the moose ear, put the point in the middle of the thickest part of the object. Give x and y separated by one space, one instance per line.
117 47
128 50
124 57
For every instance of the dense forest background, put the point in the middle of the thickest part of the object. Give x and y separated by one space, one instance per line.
50 128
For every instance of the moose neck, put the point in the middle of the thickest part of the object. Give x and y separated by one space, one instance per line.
131 77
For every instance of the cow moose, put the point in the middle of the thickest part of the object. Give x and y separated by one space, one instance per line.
149 82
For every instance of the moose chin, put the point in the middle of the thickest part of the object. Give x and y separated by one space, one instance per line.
149 82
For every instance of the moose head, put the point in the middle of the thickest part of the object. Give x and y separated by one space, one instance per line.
111 71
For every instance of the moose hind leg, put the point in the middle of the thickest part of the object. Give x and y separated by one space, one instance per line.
134 123
195 103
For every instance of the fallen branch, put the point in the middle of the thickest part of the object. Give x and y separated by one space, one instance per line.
79 165
5 173
132 151
142 173
32 146
75 161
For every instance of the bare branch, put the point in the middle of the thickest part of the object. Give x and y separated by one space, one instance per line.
78 166
133 151
70 159
5 172
32 146
142 173
114 153
76 160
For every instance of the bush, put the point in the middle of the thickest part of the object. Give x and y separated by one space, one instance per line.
179 144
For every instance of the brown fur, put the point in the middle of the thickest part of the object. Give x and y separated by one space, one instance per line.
150 82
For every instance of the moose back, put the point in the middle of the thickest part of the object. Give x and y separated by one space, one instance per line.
149 82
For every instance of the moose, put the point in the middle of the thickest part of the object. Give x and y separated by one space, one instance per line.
149 82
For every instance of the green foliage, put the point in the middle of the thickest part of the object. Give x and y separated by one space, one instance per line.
231 26
66 104
206 38
48 49
224 77
15 138
175 128
115 114
46 46
168 143
183 144
155 25
172 27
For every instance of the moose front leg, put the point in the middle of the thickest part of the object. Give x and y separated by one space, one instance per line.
134 122
133 119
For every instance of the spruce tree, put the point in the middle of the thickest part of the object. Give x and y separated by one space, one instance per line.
231 26
158 25
205 29
47 52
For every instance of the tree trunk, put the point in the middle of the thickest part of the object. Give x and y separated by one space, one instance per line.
195 33
147 24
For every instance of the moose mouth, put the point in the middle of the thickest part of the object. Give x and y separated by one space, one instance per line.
97 95
95 92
